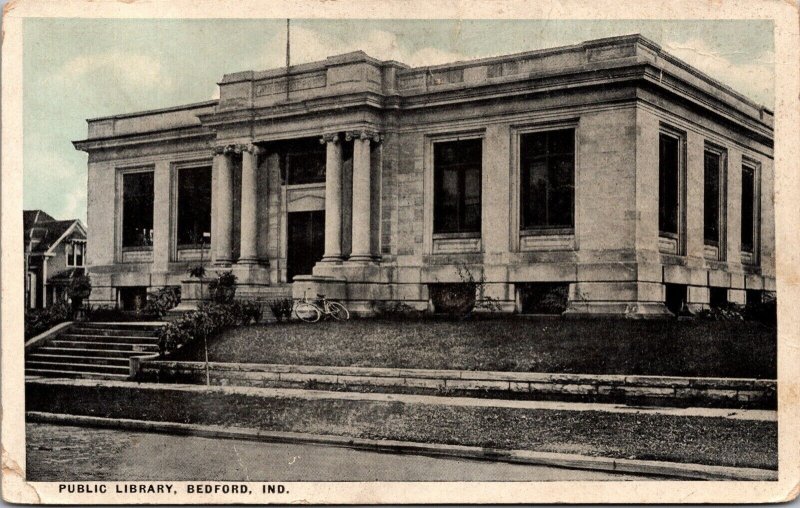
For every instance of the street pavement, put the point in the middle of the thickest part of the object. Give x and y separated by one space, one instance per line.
69 453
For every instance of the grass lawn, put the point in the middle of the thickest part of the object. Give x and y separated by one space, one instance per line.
669 347
701 440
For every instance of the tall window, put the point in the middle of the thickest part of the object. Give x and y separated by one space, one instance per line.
547 165
303 161
137 209
713 196
750 206
669 184
194 206
457 186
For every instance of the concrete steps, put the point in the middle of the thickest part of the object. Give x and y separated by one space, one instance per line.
93 350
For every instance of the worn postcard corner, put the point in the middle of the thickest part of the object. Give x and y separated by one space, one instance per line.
397 253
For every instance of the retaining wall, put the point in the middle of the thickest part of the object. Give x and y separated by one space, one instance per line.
653 390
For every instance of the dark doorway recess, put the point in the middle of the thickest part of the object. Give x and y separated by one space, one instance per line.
306 242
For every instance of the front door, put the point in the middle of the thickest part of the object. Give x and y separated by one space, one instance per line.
306 242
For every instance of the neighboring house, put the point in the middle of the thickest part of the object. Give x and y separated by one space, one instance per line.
609 166
55 252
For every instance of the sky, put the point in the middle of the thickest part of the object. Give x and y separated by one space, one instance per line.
74 69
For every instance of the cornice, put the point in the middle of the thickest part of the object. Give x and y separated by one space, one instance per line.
154 137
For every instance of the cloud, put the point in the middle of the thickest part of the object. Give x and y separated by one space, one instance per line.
754 78
74 204
133 69
308 45
50 164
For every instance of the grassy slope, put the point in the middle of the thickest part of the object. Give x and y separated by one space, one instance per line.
680 348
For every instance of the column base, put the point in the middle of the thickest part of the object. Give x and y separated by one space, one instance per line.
249 261
362 258
331 259
247 272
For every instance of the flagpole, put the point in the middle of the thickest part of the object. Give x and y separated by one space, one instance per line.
287 59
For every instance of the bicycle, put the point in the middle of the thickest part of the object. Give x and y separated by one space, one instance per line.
311 311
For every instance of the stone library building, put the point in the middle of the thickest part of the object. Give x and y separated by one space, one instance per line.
635 183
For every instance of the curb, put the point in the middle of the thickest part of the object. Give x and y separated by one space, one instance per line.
562 460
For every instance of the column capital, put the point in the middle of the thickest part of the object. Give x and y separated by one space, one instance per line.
237 148
364 134
251 148
329 137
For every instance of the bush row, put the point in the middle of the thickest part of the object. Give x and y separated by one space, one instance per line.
208 319
40 320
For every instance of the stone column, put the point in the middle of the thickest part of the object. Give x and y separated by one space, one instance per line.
249 206
362 198
333 198
223 206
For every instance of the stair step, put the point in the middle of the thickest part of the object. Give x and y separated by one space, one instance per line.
75 367
72 374
124 332
90 344
106 338
79 359
77 351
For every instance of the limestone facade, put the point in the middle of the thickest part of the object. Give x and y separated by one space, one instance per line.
367 223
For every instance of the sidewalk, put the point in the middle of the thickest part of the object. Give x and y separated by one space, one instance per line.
552 460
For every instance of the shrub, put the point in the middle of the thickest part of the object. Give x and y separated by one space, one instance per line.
209 319
162 300
281 308
723 312
223 288
198 271
79 289
765 312
393 309
40 320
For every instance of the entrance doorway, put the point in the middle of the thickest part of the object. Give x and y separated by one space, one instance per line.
306 242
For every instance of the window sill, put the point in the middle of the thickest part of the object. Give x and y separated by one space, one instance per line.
548 232
144 248
456 244
451 236
668 244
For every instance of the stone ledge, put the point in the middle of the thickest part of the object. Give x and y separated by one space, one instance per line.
656 390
